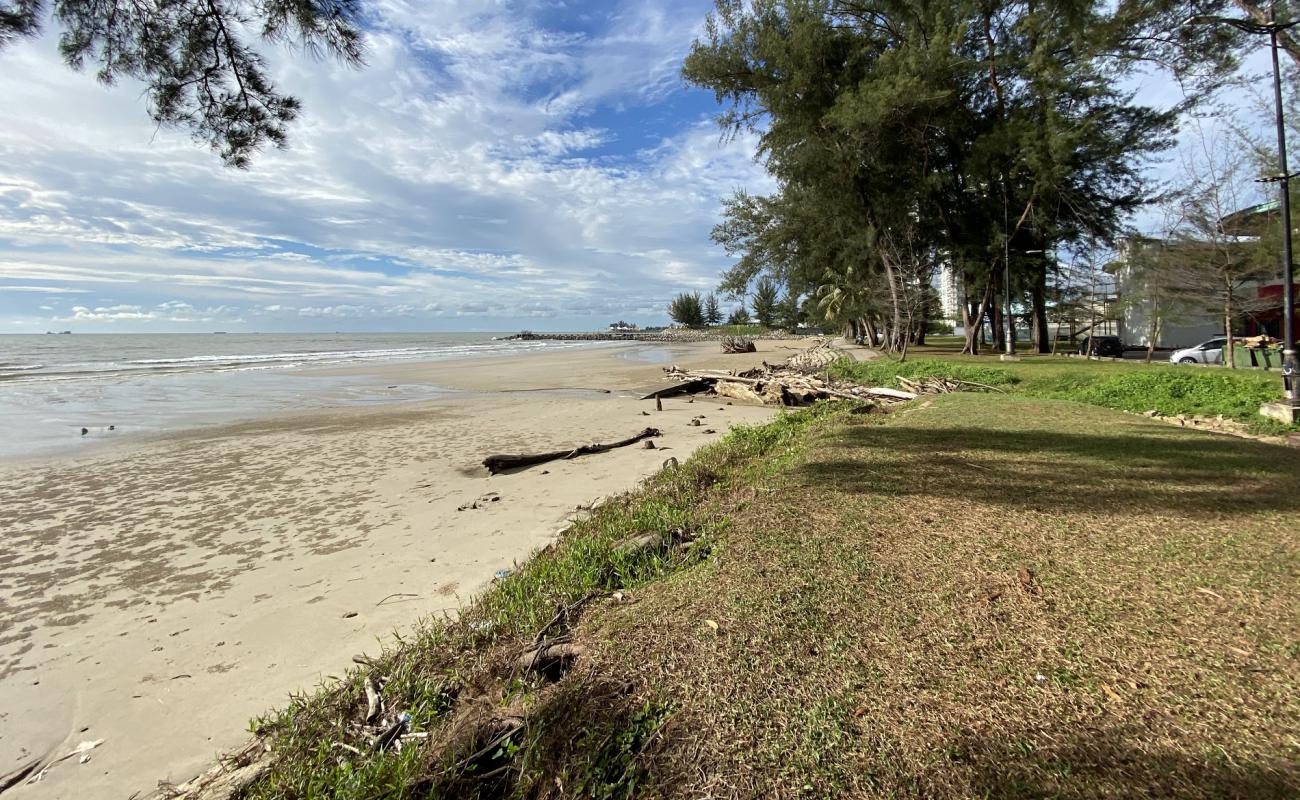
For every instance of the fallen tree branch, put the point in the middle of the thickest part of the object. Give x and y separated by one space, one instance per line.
501 463
689 387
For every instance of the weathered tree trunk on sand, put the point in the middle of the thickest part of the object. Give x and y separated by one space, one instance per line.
500 463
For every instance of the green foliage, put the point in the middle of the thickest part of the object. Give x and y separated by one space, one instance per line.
788 313
739 316
765 301
712 313
899 130
201 73
687 309
1171 391
1199 392
606 765
885 372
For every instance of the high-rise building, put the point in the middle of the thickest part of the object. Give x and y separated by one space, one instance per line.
950 293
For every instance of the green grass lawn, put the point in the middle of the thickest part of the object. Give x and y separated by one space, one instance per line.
1126 386
977 595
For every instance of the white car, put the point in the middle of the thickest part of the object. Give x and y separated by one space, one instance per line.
1210 352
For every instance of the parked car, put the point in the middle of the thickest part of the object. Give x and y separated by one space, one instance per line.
1210 352
1104 346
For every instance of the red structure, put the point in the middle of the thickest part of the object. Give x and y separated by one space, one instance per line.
1268 320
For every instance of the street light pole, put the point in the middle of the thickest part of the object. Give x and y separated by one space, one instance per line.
1289 409
1290 368
1008 321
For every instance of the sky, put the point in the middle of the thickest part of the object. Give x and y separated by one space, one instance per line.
497 165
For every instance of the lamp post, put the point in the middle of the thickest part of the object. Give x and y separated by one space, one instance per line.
1288 409
1008 321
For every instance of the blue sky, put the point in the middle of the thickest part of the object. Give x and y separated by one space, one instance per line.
498 165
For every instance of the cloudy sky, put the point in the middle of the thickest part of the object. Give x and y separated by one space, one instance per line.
499 164
496 165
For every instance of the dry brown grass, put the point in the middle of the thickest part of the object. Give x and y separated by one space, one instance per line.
985 597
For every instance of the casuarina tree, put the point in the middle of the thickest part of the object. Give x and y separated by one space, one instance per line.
201 69
687 309
908 134
712 313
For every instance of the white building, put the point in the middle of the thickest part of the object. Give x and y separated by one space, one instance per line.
1190 327
950 294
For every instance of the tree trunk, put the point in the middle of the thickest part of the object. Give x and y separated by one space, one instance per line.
869 332
895 304
1155 334
1228 357
975 323
1038 297
996 323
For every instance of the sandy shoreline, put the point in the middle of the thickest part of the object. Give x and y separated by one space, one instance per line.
156 594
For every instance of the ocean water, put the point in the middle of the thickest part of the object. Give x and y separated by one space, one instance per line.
53 386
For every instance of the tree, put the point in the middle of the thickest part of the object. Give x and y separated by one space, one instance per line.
788 314
201 73
1207 263
687 309
900 132
765 299
712 313
1151 291
739 315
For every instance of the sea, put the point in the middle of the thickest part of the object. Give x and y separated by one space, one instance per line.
113 386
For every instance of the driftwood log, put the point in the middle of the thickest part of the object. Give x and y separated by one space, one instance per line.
686 387
501 463
738 344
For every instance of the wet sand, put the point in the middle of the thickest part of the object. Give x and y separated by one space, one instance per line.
157 594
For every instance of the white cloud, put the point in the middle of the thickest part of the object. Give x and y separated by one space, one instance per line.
462 169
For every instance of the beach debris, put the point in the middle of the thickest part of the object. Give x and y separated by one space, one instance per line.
490 497
112 427
82 751
709 430
502 574
393 733
936 385
649 444
374 705
227 778
395 594
671 461
550 660
501 463
781 385
85 431
349 615
695 422
738 344
645 413
687 387
14 777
